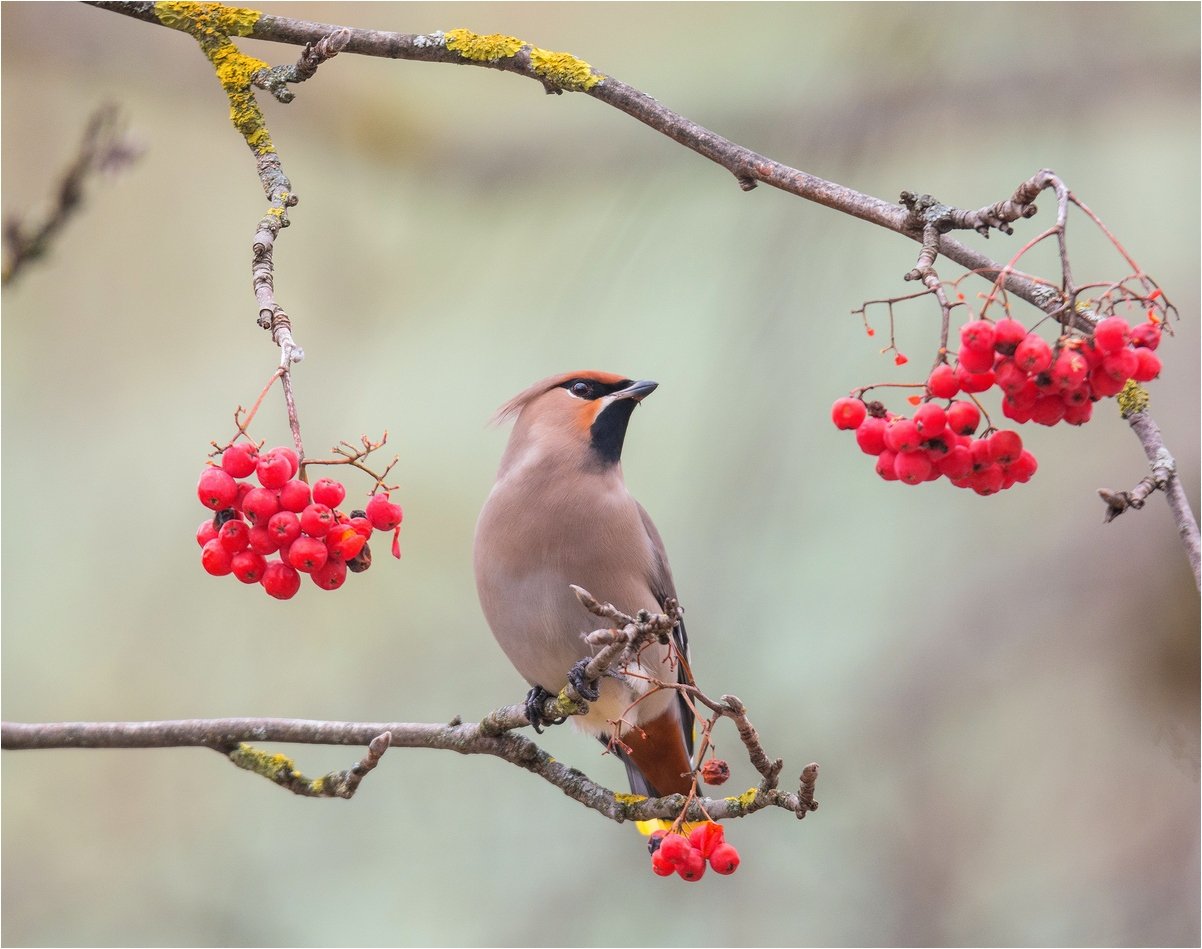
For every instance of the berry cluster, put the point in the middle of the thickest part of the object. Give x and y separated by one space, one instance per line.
1040 383
283 516
687 856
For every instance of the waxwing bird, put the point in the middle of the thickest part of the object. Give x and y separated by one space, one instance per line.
558 515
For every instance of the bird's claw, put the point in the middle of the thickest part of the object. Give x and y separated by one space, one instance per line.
536 701
588 689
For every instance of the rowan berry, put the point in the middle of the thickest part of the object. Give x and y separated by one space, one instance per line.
280 580
295 496
848 413
870 436
1145 335
692 867
1023 467
987 481
1005 446
974 381
661 865
1078 413
1069 369
248 566
216 489
1007 334
902 435
285 527
316 520
239 460
942 382
308 554
884 464
930 420
1147 367
206 532
1048 410
975 360
272 470
1033 355
1112 334
1103 385
291 457
215 558
383 514
344 542
912 467
674 847
1121 365
724 859
715 772
234 535
979 336
1008 376
262 540
329 492
963 418
331 575
706 836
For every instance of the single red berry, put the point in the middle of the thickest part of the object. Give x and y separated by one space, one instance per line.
930 420
715 771
1048 410
308 554
262 540
1007 376
1103 385
974 381
1023 467
675 848
316 520
870 436
692 867
987 481
912 467
1111 334
1007 334
1147 367
361 524
1033 355
248 566
900 359
1121 365
238 460
215 558
244 488
344 542
963 418
234 535
1069 369
848 413
956 463
331 575
1078 413
280 580
1077 396
884 464
295 496
1005 446
272 470
383 514
259 505
982 457
706 836
1146 335
724 859
1093 355
978 335
329 492
292 458
285 527
942 382
661 865
216 489
206 532
902 435
975 360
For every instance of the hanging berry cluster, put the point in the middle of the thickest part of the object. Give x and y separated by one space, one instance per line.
686 856
1040 382
273 532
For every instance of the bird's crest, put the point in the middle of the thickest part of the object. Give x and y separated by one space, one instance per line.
515 405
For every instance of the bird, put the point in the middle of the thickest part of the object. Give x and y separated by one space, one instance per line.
560 514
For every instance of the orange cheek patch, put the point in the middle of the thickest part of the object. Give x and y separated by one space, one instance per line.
587 414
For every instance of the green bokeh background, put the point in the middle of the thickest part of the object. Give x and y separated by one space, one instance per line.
1002 692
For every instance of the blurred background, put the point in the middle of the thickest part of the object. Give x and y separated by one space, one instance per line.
1002 692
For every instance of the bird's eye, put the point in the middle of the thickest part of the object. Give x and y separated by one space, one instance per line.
581 389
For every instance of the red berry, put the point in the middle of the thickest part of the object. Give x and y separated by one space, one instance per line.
1103 385
280 580
963 418
216 489
715 771
259 505
272 470
262 540
248 566
870 436
362 526
706 836
900 359
1048 410
344 542
383 514
974 381
1069 369
1005 446
1111 334
316 520
692 867
238 460
884 464
1023 468
244 488
661 865
979 335
329 492
930 420
982 457
848 413
912 467
285 527
1078 413
330 576
1121 365
902 435
295 496
234 535
215 558
975 360
1033 355
1146 335
987 481
675 848
957 463
308 554
206 532
1148 366
291 457
1008 376
724 859
942 382
1007 334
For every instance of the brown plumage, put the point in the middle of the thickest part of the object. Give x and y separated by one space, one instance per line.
560 514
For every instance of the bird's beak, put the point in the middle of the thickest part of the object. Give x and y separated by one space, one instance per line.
636 390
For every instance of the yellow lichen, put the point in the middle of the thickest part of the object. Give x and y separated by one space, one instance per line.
563 70
206 19
272 766
629 798
484 49
1133 398
744 800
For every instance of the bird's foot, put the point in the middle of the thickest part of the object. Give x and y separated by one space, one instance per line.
589 689
536 701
